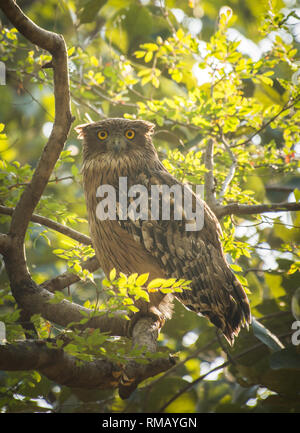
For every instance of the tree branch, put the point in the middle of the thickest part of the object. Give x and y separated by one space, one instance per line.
209 182
55 44
59 366
47 222
232 169
67 278
65 369
35 299
243 209
280 188
286 107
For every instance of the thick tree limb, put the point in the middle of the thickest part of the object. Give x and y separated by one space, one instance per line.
35 299
59 366
65 369
47 222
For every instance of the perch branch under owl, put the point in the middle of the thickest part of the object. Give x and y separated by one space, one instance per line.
30 296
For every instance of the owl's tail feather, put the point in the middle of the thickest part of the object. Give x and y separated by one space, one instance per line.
221 298
234 312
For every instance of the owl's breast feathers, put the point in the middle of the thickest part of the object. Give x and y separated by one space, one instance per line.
165 249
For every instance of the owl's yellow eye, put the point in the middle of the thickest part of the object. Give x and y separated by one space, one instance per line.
130 134
102 135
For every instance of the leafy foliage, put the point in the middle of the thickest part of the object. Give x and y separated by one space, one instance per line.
189 67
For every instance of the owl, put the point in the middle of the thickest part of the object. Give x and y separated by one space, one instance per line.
121 149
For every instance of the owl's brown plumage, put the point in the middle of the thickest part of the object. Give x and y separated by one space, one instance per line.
163 248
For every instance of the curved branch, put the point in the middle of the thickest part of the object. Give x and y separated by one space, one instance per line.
22 286
47 222
35 299
55 44
59 366
65 369
67 278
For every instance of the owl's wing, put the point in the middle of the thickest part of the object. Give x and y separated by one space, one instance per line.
192 255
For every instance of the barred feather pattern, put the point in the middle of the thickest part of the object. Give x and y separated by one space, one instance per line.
193 255
161 247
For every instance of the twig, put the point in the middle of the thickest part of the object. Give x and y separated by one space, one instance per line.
209 183
193 355
243 209
190 385
265 125
67 278
280 188
268 271
195 382
232 169
47 222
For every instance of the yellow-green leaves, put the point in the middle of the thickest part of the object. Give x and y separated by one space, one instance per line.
112 274
75 257
141 279
149 74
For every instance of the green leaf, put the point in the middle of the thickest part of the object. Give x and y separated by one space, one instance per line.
148 57
139 54
57 298
112 274
297 194
132 278
141 279
71 51
169 282
236 268
180 34
155 283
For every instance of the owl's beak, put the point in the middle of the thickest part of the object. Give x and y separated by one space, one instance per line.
119 144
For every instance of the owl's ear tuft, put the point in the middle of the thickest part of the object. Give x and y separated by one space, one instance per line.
149 126
80 130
